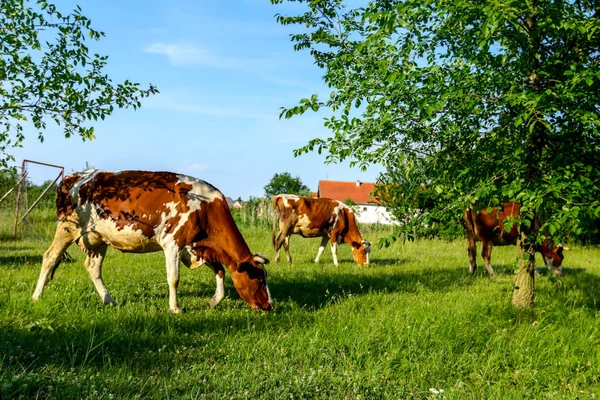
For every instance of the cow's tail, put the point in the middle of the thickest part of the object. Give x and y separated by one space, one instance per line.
468 222
275 220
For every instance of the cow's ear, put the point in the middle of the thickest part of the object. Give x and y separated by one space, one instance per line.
355 245
253 271
559 250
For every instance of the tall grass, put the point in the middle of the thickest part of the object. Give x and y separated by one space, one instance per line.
411 325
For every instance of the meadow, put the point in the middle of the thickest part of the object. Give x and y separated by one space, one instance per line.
414 324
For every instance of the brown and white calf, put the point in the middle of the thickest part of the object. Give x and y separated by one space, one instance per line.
317 217
140 212
488 227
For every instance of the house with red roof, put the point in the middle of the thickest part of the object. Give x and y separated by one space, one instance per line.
367 209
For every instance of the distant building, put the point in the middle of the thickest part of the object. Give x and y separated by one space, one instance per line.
368 210
238 204
229 201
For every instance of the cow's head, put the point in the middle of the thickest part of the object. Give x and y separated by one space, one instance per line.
250 281
360 252
553 258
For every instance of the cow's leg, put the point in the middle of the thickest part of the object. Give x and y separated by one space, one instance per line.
93 264
486 253
472 254
219 273
172 257
220 289
278 243
324 241
334 246
286 247
283 239
63 238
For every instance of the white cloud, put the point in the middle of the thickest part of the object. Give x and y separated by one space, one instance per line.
209 111
197 167
185 54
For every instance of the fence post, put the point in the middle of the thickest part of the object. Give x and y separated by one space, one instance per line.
23 173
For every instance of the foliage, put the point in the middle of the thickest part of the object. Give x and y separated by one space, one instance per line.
8 179
401 188
48 74
285 183
489 101
411 322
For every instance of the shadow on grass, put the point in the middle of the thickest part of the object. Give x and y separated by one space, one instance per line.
377 262
576 289
20 261
316 291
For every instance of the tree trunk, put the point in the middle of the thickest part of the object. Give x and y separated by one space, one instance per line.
524 289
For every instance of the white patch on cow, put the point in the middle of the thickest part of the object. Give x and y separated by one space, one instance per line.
303 228
335 215
304 221
219 292
269 294
162 237
122 238
195 261
548 262
201 191
86 176
286 197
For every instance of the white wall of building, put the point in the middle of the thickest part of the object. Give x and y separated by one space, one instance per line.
373 214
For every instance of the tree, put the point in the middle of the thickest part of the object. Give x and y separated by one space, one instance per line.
284 183
489 100
47 73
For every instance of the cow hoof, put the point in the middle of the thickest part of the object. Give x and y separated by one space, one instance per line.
176 310
108 300
215 300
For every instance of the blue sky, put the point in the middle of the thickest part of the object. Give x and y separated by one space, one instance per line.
224 69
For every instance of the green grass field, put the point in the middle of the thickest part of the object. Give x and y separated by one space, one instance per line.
411 325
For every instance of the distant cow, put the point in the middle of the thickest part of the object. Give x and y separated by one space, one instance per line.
317 217
140 212
488 227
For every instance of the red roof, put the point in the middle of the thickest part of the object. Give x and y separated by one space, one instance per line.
359 192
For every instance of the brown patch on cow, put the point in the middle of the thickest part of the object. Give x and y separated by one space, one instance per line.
64 206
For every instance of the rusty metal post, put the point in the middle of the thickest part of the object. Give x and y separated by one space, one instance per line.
40 197
23 173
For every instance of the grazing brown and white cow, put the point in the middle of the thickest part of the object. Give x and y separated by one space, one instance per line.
318 217
488 227
140 212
